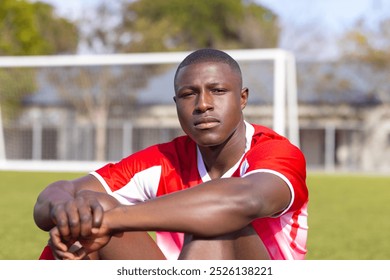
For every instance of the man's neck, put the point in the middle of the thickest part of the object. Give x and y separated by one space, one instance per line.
219 159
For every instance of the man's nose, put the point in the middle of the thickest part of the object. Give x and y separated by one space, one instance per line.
204 101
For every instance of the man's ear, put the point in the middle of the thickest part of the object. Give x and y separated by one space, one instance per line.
244 97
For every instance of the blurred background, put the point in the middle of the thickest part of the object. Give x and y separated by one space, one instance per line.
86 82
96 112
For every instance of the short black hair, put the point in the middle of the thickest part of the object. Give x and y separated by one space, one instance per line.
209 55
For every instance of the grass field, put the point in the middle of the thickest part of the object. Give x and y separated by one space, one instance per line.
349 216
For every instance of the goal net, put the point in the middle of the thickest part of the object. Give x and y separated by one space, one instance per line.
77 111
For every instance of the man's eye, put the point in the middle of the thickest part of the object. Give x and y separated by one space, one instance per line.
218 90
186 94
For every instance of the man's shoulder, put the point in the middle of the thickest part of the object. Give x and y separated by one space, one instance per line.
176 152
179 153
271 142
261 130
179 147
178 144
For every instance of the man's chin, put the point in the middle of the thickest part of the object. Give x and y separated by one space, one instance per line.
209 143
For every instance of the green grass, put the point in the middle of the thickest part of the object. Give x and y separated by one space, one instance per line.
20 238
348 216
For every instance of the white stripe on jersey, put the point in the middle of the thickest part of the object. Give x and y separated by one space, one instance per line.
143 186
281 176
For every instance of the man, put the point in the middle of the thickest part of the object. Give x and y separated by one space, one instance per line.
226 190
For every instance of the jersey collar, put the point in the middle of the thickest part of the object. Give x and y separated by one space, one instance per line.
249 131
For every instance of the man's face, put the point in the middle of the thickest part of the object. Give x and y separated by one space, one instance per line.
209 102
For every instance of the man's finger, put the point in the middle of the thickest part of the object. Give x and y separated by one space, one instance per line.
80 254
98 213
56 240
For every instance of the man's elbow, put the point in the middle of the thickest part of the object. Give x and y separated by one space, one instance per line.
39 220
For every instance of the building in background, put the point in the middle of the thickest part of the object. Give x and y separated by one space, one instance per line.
343 125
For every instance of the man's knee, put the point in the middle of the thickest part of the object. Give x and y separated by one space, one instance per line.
249 246
242 244
131 246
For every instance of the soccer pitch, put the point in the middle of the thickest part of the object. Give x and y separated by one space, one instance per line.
348 215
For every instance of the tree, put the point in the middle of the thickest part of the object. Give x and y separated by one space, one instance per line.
170 25
369 46
33 29
358 75
174 25
29 29
94 91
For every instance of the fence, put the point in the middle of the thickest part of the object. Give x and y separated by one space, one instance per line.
76 143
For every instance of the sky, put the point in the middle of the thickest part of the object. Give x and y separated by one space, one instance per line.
329 17
333 14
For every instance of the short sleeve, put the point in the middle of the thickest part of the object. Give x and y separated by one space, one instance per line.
279 156
133 179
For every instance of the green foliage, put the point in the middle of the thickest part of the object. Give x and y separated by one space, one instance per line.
348 216
367 44
29 29
173 25
32 29
14 85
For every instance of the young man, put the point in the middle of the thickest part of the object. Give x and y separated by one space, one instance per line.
226 190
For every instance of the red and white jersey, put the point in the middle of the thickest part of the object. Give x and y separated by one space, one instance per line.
178 165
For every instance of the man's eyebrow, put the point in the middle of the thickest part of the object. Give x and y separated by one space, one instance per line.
216 84
187 87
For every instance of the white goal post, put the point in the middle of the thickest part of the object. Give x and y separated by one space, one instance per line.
285 104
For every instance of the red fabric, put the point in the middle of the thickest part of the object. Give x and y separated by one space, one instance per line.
173 166
46 254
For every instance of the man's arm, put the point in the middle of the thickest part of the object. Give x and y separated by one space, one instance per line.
214 208
211 209
53 201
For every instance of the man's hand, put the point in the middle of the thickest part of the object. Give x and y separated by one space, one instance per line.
80 220
77 217
80 249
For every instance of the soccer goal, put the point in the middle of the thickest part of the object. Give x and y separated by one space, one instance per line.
53 81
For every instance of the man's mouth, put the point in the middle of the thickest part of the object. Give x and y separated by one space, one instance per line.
206 123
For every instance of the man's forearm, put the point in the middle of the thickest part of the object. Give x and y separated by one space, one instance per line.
209 210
